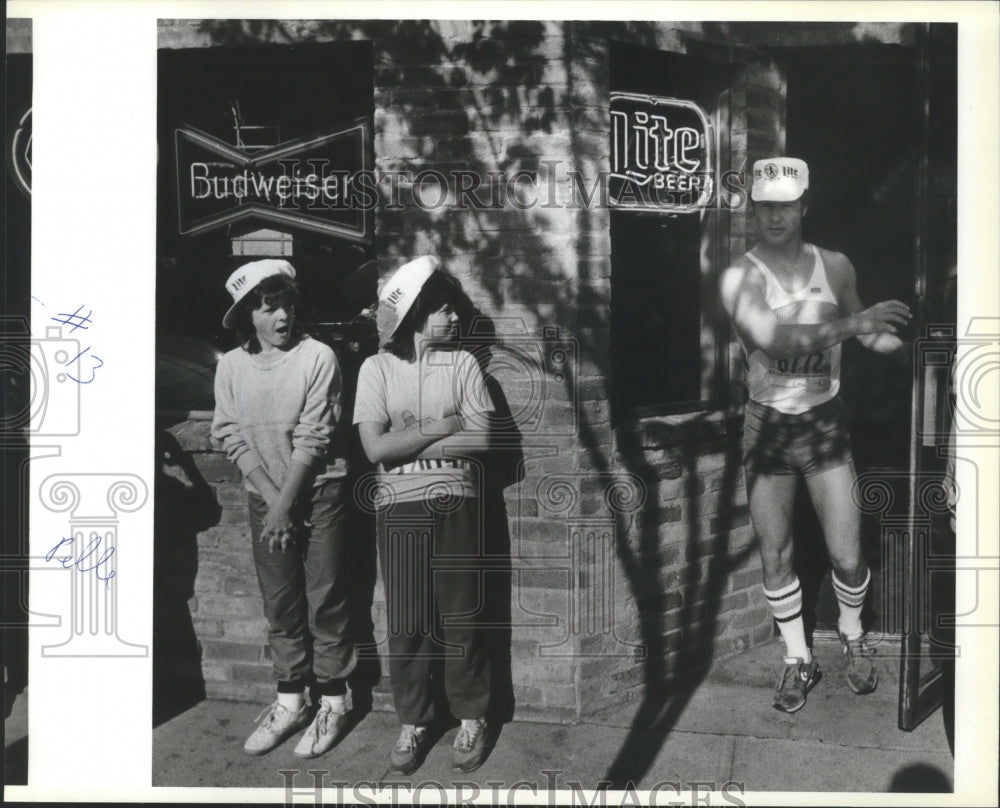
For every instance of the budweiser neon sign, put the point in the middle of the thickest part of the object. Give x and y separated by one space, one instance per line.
662 157
318 183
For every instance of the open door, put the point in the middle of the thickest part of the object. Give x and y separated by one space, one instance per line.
926 679
877 124
853 115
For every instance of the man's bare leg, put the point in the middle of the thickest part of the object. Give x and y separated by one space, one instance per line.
772 498
831 493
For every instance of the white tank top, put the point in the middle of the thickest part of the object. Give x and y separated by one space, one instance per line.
796 384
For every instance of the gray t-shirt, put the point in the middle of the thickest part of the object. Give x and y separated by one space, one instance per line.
400 395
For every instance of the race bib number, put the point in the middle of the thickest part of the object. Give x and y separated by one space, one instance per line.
809 371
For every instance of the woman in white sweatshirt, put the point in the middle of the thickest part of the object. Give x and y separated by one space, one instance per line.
277 405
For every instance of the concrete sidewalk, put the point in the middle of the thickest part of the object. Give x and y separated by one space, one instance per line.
722 731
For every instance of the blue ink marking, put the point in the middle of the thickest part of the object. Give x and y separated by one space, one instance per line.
71 361
93 369
75 319
68 562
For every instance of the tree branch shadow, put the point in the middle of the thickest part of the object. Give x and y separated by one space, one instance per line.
516 265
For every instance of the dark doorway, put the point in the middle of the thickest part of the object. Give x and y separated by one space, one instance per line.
853 115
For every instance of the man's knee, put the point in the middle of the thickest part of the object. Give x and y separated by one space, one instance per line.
777 560
851 570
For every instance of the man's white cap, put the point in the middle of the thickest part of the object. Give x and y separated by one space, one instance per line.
244 279
779 179
400 290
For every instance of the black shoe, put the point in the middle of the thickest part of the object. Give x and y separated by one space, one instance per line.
861 674
797 679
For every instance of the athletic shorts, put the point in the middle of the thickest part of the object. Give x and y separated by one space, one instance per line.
778 443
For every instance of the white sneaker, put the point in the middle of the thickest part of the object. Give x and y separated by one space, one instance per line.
469 749
410 749
323 731
278 723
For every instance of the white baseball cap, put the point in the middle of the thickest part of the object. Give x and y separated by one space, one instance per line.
779 179
400 289
244 279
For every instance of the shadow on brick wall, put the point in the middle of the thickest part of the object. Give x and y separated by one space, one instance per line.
368 673
508 96
185 504
503 467
678 624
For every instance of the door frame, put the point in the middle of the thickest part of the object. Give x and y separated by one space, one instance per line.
922 687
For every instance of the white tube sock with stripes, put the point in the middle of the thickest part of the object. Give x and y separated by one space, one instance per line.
851 600
786 606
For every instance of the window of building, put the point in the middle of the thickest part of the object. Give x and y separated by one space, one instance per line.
668 334
252 100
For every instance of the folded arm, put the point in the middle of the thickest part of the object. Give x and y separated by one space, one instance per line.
465 440
393 448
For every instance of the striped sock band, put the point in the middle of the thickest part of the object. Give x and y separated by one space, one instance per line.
851 600
786 606
785 603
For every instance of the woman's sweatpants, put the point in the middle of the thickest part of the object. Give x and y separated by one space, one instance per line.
430 558
306 592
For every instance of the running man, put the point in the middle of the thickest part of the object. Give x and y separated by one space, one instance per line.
792 304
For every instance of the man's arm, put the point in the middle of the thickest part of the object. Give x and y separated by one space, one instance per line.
742 290
883 343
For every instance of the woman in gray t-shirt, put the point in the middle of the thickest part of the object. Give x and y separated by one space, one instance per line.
422 414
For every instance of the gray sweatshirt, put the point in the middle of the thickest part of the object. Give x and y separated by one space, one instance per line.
273 409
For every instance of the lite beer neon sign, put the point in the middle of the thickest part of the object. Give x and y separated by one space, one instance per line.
661 154
316 183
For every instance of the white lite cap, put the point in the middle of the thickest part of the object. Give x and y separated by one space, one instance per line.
779 179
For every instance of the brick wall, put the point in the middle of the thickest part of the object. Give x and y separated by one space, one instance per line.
631 554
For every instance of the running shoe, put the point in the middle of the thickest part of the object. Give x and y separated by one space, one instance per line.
469 750
411 747
276 724
323 732
797 679
862 677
